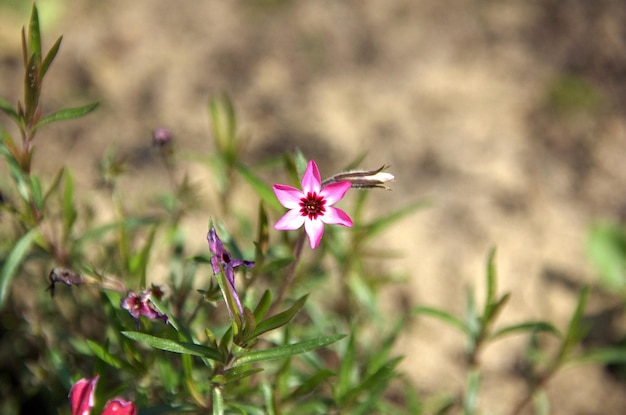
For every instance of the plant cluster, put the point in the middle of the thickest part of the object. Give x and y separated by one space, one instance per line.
257 322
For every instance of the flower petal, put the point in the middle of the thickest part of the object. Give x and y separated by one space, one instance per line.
215 243
314 229
335 216
334 192
82 396
311 181
288 196
119 406
290 220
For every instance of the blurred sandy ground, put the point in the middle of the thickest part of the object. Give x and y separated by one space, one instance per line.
508 116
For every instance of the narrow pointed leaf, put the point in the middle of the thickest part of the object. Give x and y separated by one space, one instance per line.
491 278
174 346
379 225
263 236
69 210
68 114
276 265
104 355
139 262
13 262
279 319
286 351
8 148
575 330
531 327
263 190
235 374
604 356
36 192
346 368
32 88
443 316
311 384
9 110
54 185
34 35
52 53
263 306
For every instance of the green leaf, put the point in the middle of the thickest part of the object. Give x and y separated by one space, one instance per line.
603 356
32 88
69 210
443 316
34 36
263 236
52 53
139 261
373 386
606 247
171 320
234 374
286 351
575 330
376 227
531 326
276 265
224 123
8 148
491 279
13 262
36 192
346 368
263 305
105 356
311 384
279 319
264 191
174 346
9 110
54 185
67 114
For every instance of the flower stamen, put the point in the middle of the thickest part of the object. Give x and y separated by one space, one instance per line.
312 205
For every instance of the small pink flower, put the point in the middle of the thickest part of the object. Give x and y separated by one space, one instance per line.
140 305
312 206
82 400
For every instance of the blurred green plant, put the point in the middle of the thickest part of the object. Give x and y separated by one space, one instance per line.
606 248
251 323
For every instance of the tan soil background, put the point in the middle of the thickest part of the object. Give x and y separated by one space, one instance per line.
457 96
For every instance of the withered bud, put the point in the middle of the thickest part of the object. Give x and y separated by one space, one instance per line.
363 179
64 276
161 137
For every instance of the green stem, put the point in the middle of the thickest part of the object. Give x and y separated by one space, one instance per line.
290 273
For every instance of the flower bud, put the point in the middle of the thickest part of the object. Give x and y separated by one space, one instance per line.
363 179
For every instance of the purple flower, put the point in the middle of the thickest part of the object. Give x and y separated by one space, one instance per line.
140 305
312 206
161 136
222 259
82 400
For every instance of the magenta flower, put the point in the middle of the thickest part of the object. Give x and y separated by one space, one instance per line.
82 400
140 305
222 259
312 206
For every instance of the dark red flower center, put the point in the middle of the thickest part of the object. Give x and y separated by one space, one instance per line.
312 205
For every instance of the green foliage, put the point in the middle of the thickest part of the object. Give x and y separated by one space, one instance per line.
310 336
606 247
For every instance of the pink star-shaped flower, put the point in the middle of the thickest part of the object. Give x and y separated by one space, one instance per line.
312 206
